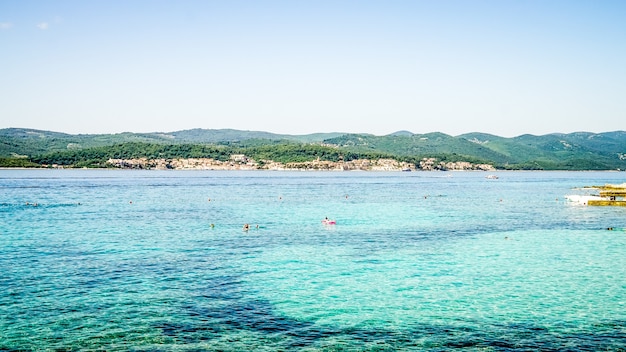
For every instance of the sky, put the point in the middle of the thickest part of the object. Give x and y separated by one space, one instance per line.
503 67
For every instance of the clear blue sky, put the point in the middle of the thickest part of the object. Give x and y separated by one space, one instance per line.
503 67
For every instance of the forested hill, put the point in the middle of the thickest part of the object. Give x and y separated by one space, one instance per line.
29 142
573 151
577 151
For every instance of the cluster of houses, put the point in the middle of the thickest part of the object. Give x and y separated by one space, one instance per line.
236 162
242 162
431 164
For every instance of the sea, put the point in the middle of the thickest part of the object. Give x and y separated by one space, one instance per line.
147 260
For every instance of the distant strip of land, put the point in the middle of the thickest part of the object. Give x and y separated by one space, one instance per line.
227 149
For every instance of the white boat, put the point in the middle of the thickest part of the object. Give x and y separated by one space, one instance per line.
583 199
608 195
492 177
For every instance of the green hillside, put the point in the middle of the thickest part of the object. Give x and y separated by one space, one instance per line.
558 151
281 152
574 151
29 142
418 145
200 135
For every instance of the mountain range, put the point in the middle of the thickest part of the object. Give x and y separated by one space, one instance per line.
575 151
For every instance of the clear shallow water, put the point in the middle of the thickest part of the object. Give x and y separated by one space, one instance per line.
128 260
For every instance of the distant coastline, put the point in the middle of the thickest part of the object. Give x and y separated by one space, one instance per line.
243 163
228 149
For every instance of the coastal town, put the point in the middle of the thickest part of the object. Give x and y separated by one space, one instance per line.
242 162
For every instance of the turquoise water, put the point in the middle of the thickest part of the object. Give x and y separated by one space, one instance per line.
129 260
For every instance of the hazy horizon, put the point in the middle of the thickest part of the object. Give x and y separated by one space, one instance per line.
503 68
301 134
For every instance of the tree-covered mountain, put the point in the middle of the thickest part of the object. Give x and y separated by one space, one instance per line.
580 150
199 135
573 151
29 142
422 145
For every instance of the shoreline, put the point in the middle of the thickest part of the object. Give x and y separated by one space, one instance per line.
296 170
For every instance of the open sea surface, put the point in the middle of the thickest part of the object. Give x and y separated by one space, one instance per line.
95 260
